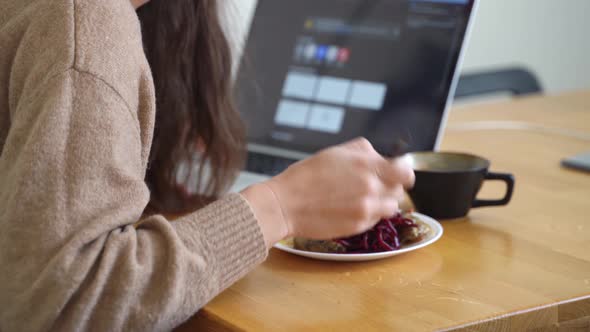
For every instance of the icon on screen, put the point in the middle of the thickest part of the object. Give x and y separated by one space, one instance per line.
321 53
309 52
298 54
343 55
308 24
332 54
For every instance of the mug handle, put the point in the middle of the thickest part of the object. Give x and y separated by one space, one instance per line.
505 177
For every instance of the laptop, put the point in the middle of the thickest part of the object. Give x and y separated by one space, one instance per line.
316 73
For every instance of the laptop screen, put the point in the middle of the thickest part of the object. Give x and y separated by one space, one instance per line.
318 73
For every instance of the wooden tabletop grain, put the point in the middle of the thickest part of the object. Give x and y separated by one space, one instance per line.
516 268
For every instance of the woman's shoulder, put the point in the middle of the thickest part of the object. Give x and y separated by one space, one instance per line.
100 38
43 41
107 36
85 34
108 45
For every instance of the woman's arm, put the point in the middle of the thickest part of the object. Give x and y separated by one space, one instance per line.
72 172
72 180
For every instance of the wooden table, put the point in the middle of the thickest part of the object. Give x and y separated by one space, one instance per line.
516 268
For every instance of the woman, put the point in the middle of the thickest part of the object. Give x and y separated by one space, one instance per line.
93 132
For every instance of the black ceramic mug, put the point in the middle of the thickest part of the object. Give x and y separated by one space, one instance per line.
447 183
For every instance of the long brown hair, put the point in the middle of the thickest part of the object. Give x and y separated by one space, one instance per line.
190 59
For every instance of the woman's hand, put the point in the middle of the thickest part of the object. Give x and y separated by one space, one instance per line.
341 191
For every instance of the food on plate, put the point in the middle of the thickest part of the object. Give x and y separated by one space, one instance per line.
326 246
388 235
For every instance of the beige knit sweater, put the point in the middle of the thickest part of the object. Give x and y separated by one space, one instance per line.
76 121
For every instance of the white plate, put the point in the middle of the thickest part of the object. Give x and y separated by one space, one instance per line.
435 233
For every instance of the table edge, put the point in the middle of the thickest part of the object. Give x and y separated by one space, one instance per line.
509 315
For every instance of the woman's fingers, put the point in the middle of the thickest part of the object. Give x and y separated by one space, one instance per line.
360 144
397 171
339 192
390 200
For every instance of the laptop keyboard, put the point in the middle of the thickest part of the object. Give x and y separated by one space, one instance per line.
265 164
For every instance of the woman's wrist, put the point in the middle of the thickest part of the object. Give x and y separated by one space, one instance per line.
268 211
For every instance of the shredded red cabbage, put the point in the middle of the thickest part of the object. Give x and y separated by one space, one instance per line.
383 237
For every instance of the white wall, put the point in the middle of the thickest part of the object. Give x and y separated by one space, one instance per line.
550 37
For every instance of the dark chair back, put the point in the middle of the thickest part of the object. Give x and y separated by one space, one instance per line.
516 81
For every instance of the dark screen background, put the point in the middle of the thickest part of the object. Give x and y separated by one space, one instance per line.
417 68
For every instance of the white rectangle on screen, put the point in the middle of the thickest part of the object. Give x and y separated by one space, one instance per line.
367 95
292 113
326 118
333 90
300 85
